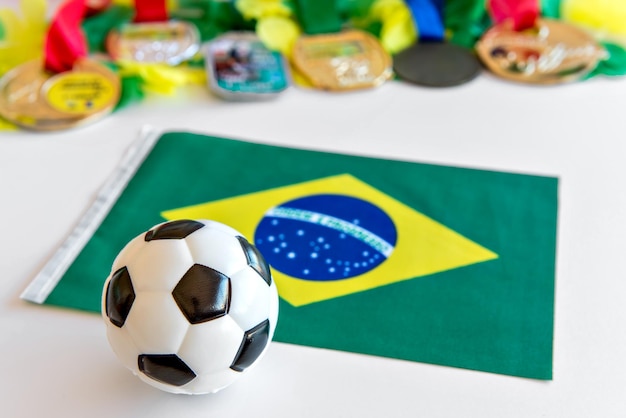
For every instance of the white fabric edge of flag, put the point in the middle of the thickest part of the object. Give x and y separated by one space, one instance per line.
49 276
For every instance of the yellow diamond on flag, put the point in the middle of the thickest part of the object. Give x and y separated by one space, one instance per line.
325 251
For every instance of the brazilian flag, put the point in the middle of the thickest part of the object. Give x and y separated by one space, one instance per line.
436 264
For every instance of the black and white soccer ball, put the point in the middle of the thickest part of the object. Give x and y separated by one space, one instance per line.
189 306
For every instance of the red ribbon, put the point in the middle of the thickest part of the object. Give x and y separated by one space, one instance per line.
65 42
523 13
150 11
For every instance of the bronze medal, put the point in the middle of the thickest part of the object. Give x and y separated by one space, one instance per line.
342 61
35 99
551 52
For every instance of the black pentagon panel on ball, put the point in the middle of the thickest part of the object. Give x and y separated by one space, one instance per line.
165 368
202 294
173 230
252 345
256 260
120 296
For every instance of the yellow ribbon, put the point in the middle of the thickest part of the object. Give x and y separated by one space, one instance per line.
606 18
160 78
169 4
278 33
6 126
23 34
259 9
23 38
398 28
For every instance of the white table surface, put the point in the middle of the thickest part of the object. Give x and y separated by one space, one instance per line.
57 362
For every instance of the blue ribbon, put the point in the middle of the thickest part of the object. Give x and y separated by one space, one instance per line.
428 17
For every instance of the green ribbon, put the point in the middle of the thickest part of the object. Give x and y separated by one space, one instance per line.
318 16
466 20
551 8
614 65
212 18
97 27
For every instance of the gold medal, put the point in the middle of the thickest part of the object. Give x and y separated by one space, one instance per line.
549 53
342 61
35 99
170 42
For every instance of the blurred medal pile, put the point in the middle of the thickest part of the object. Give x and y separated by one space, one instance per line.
94 56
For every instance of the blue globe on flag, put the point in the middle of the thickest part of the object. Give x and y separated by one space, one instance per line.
325 237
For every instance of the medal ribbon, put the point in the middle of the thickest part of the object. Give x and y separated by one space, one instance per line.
523 13
318 16
65 42
150 11
428 17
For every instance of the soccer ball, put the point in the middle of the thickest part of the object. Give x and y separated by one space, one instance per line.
189 306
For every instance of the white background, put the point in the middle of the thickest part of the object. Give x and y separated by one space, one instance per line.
56 362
